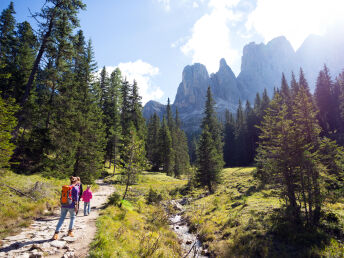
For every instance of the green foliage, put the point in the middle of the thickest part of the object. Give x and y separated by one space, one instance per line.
8 122
210 156
138 230
153 197
16 210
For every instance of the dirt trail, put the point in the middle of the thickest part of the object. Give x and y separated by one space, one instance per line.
35 241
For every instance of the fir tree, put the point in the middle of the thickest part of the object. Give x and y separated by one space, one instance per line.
210 156
7 125
153 143
51 12
181 152
229 139
7 49
166 148
325 101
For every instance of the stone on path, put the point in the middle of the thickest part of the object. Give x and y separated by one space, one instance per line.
58 243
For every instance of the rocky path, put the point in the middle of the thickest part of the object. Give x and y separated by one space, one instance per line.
35 241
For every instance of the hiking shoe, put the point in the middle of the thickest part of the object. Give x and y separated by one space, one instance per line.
56 236
70 233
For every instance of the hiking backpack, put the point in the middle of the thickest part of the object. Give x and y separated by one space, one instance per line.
66 195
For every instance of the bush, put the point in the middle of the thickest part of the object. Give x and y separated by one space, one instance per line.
114 199
153 197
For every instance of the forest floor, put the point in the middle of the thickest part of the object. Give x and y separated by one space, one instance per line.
35 241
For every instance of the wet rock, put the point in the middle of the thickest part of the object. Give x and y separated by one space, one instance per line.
205 252
177 205
69 255
188 242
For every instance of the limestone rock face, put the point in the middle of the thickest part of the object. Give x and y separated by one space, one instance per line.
262 66
191 91
152 107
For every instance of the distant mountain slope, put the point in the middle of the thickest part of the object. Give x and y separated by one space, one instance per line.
262 67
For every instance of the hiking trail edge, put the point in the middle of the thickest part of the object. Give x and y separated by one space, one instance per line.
36 240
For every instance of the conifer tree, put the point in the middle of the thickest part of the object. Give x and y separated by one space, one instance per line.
229 139
166 148
210 152
51 12
7 125
115 102
181 152
136 111
325 101
153 143
240 137
7 49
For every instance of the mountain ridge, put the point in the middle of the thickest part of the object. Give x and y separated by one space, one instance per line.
261 67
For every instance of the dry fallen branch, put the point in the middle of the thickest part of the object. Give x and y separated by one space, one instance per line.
18 191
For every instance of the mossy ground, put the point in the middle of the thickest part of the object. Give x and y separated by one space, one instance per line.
138 229
16 210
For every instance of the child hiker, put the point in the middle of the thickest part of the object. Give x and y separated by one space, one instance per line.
69 204
86 197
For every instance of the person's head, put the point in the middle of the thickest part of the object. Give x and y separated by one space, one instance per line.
73 180
78 178
88 187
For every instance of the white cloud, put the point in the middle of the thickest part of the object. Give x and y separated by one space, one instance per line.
195 5
142 72
294 19
210 39
166 4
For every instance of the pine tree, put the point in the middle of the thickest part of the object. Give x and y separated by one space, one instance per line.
136 111
229 139
240 137
7 124
115 133
210 155
135 150
325 101
7 49
51 13
166 148
251 133
153 143
181 151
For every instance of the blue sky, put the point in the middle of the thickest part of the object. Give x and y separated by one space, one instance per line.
152 40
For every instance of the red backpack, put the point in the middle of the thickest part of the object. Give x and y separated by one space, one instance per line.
66 195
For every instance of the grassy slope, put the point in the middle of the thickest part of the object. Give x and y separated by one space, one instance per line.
17 211
237 220
138 229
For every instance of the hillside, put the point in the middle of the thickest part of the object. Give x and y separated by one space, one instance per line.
241 219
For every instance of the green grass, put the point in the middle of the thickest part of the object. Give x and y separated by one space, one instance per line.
138 229
16 210
242 219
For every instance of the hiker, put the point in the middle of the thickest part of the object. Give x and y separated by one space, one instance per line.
69 203
86 197
80 193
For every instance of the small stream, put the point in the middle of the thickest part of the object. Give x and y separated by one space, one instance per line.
190 243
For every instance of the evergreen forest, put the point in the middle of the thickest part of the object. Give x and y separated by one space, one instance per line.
264 181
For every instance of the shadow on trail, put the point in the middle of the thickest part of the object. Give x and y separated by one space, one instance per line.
18 245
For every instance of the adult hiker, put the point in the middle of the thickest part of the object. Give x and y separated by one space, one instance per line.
80 193
86 197
69 204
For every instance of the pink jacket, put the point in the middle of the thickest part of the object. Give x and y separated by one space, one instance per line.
86 195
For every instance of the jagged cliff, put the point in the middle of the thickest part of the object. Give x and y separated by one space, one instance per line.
262 66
